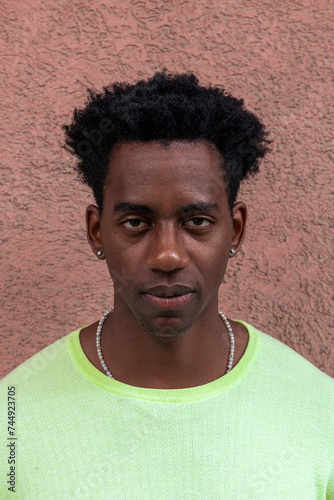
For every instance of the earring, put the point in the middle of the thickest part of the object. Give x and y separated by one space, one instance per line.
99 253
232 251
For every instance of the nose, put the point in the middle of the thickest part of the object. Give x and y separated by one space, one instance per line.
167 252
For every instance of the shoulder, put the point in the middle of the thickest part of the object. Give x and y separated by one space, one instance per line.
285 359
283 372
48 362
290 396
273 349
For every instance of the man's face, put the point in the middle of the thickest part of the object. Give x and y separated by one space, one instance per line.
166 232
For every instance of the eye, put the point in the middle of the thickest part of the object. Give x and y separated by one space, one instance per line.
198 222
134 224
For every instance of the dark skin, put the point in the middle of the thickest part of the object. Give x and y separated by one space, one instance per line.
165 222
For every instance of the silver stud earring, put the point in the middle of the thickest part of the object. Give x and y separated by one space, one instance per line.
99 253
232 251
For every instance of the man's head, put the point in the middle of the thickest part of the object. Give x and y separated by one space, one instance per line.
165 108
165 159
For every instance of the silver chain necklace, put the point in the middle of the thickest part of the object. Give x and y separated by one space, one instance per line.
106 369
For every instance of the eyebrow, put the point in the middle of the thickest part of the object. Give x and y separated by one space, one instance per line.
199 207
193 207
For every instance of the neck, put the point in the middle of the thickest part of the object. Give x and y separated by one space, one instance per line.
138 358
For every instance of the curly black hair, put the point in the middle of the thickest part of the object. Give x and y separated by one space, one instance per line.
164 108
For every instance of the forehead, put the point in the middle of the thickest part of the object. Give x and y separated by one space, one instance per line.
151 170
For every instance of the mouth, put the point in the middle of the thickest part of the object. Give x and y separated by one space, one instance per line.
168 298
168 303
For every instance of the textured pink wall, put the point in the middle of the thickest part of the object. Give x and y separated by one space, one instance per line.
276 55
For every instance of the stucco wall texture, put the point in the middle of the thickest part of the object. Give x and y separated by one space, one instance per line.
277 55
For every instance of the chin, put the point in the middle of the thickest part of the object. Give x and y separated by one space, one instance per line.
166 327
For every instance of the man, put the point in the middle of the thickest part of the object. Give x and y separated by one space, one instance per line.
164 397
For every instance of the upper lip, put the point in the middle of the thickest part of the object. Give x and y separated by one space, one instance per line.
168 291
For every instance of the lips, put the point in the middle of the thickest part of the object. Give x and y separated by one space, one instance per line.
168 298
168 291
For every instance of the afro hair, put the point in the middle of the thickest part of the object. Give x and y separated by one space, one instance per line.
165 108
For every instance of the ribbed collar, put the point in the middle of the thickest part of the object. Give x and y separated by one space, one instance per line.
197 393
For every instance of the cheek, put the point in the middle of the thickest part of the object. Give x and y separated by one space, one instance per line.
211 261
122 276
216 265
124 265
220 251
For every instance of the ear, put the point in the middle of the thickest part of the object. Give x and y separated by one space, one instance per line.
93 230
239 226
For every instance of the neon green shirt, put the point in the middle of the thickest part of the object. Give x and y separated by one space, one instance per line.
263 431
